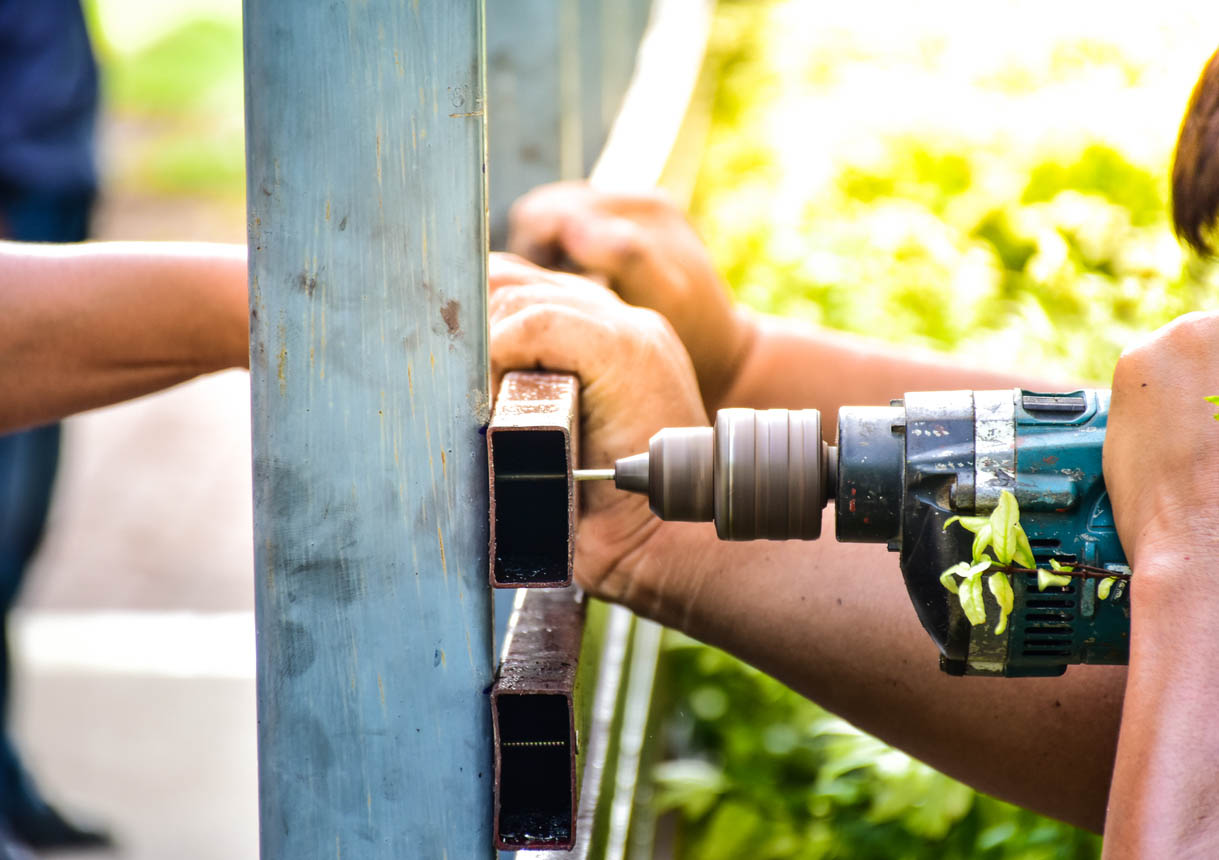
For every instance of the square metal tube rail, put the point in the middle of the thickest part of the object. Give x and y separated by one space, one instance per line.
532 447
539 721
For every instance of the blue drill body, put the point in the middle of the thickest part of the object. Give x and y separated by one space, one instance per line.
955 452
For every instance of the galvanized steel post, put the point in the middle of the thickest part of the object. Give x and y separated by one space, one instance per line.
367 235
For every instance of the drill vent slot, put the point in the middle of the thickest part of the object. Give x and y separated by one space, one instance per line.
1050 604
1047 652
1049 634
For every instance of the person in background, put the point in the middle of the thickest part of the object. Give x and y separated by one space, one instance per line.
48 110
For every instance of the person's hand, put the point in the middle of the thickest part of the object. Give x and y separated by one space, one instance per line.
1162 453
635 379
650 255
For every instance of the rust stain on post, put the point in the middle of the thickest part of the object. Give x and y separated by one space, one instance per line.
531 451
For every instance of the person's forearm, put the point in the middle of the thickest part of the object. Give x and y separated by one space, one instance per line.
834 622
87 325
794 365
1166 780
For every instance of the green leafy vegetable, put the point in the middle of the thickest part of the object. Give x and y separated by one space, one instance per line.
971 524
1024 551
971 600
1003 523
969 590
1045 580
1001 588
948 578
982 540
1002 533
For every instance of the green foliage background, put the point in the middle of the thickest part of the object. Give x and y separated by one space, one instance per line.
1053 254
172 90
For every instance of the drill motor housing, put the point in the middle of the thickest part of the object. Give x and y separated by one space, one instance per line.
904 470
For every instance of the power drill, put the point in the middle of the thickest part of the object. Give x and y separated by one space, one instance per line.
897 474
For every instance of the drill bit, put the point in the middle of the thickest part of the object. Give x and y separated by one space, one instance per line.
578 474
593 474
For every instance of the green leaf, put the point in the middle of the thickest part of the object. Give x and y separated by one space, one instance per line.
1215 400
1024 551
730 831
982 541
1001 588
691 785
1103 589
1003 522
980 566
968 523
1045 579
1060 568
964 570
971 600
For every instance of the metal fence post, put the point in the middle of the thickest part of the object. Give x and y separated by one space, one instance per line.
533 65
367 235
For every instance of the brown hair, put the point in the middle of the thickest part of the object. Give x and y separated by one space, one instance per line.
1195 169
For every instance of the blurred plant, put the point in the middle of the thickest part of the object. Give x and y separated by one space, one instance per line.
929 239
769 775
175 105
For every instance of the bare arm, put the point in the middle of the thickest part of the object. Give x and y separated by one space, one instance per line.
1165 491
794 365
833 621
87 325
644 248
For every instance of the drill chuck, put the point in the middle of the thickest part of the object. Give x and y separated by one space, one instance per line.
758 474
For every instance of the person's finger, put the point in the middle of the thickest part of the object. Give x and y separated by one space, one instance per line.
505 270
554 337
625 252
536 220
582 296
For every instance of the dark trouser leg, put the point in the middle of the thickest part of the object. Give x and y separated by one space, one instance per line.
28 462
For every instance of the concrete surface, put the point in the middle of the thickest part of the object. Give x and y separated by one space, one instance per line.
134 690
